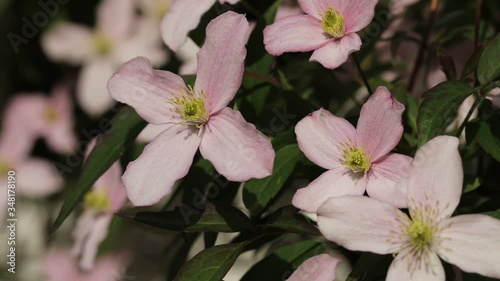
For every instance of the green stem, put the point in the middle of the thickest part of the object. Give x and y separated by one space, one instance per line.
479 4
362 74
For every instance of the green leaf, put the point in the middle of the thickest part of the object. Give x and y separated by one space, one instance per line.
211 264
368 266
489 63
126 125
487 134
288 219
471 184
440 108
281 263
494 214
189 219
257 193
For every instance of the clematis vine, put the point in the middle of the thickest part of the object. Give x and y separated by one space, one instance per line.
318 268
182 17
106 198
59 265
47 117
357 159
103 49
470 242
198 116
328 28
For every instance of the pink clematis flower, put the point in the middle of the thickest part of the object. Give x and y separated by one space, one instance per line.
358 159
40 116
118 37
198 116
183 16
328 28
288 8
59 265
318 268
470 242
494 97
106 198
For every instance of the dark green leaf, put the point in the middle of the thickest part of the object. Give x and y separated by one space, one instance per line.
281 263
368 266
126 125
471 184
489 63
288 219
487 134
440 107
495 214
211 264
190 219
447 64
258 193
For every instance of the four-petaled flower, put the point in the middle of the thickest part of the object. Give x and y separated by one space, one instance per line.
198 116
358 159
328 28
470 242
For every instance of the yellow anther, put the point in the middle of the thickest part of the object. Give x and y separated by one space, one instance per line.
356 159
98 200
333 23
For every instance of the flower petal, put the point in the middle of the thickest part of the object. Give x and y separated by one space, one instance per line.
409 268
37 178
221 60
334 183
236 148
380 124
436 177
320 136
182 17
60 266
471 242
360 223
115 18
357 14
145 89
336 52
109 267
68 43
314 8
161 164
92 94
318 268
95 235
60 135
299 33
150 132
388 179
111 181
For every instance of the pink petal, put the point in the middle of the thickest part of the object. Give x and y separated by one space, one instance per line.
115 18
380 124
288 10
472 243
146 90
37 178
151 132
60 135
388 179
232 2
321 135
334 183
182 17
60 266
436 177
360 223
314 8
336 52
318 268
26 111
221 60
494 96
161 164
92 94
408 268
68 43
357 14
111 181
143 42
299 33
236 148
109 268
96 234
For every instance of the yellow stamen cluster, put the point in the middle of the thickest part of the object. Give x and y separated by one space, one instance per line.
102 43
420 233
161 8
356 158
333 23
97 200
51 115
190 106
